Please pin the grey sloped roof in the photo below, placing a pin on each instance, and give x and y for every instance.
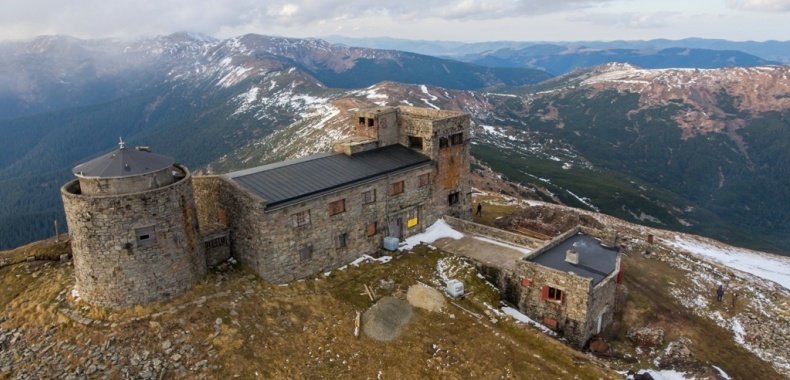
(595, 260)
(123, 163)
(289, 181)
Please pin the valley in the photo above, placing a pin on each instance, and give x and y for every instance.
(702, 151)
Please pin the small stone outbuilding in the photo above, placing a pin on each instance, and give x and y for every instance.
(569, 285)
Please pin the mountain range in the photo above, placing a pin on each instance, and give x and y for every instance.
(776, 51)
(700, 150)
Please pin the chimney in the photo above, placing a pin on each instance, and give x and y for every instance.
(571, 256)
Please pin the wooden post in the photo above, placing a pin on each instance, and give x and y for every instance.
(57, 236)
(356, 325)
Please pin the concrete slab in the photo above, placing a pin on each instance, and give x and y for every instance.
(495, 254)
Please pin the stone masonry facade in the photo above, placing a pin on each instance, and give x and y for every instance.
(584, 310)
(113, 267)
(279, 249)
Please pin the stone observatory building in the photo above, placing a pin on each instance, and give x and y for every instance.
(133, 224)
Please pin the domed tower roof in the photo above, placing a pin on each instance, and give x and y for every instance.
(123, 162)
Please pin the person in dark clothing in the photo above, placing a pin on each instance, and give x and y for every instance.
(479, 209)
(720, 293)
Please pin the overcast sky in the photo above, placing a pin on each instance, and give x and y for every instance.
(460, 20)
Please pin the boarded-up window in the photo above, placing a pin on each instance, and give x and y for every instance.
(368, 196)
(453, 198)
(306, 253)
(371, 229)
(550, 323)
(443, 143)
(396, 188)
(341, 240)
(337, 207)
(415, 142)
(549, 293)
(145, 236)
(525, 282)
(457, 139)
(301, 218)
(424, 179)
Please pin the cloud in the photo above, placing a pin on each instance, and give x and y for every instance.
(630, 20)
(760, 5)
(101, 18)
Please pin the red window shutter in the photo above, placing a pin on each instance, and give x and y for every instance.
(621, 274)
(525, 282)
(544, 293)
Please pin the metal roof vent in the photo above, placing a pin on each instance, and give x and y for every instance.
(571, 256)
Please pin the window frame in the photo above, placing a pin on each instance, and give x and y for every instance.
(372, 192)
(341, 240)
(374, 226)
(401, 185)
(305, 253)
(424, 179)
(454, 198)
(457, 138)
(332, 210)
(306, 220)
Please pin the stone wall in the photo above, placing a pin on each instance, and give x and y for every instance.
(452, 159)
(113, 268)
(133, 184)
(269, 241)
(577, 315)
(570, 314)
(489, 232)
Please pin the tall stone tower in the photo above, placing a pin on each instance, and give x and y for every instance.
(134, 231)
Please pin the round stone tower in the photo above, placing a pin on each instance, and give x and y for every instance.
(134, 231)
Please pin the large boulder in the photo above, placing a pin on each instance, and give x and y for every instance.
(386, 319)
(646, 337)
(426, 297)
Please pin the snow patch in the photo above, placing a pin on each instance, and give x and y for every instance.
(764, 265)
(436, 231)
(520, 317)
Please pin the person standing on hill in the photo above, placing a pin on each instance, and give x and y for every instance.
(479, 209)
(720, 293)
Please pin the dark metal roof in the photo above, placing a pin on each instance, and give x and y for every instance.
(595, 260)
(123, 163)
(289, 181)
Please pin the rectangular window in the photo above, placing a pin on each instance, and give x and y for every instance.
(370, 123)
(301, 218)
(424, 179)
(368, 196)
(549, 293)
(361, 121)
(337, 207)
(443, 143)
(453, 198)
(396, 188)
(457, 139)
(415, 142)
(371, 229)
(341, 240)
(306, 253)
(145, 236)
